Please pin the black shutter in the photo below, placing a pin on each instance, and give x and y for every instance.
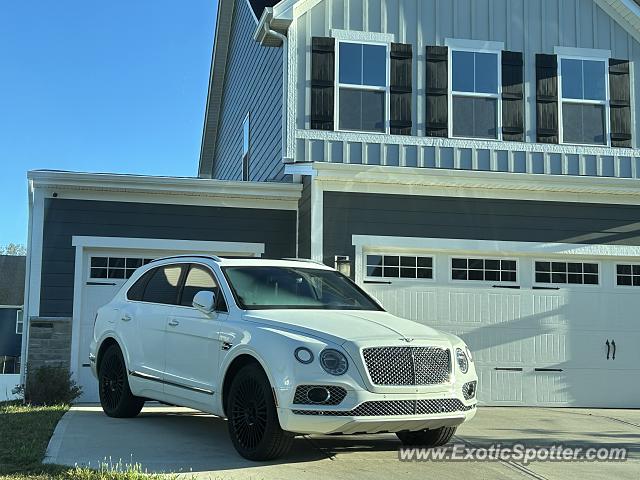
(401, 88)
(437, 92)
(512, 97)
(620, 102)
(322, 83)
(547, 98)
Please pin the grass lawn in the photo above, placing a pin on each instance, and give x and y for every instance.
(24, 434)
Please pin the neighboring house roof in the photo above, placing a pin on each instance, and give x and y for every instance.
(12, 270)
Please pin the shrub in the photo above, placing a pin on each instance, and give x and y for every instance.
(49, 385)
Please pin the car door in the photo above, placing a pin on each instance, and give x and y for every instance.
(149, 316)
(192, 347)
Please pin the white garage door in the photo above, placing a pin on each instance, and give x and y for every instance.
(546, 329)
(102, 273)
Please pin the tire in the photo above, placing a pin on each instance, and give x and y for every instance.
(427, 438)
(116, 398)
(253, 419)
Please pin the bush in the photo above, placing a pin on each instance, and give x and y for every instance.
(49, 386)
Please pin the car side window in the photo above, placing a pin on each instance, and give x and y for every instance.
(200, 279)
(163, 286)
(136, 292)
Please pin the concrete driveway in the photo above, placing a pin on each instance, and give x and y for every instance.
(167, 439)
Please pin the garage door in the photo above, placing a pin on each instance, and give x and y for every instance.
(100, 277)
(546, 329)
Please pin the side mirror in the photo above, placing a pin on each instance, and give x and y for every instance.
(205, 302)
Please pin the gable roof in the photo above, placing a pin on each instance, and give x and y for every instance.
(12, 270)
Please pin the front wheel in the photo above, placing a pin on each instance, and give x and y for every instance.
(113, 384)
(427, 438)
(252, 417)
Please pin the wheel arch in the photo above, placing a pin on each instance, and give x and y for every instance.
(104, 345)
(237, 364)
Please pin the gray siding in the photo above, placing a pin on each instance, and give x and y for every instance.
(65, 218)
(253, 84)
(304, 220)
(350, 214)
(9, 342)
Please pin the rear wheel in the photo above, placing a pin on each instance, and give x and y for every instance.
(115, 395)
(253, 418)
(427, 438)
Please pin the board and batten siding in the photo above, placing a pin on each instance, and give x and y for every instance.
(253, 84)
(66, 218)
(528, 26)
(350, 214)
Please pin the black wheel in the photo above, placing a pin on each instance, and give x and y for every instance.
(115, 395)
(253, 418)
(427, 438)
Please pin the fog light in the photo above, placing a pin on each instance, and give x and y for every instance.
(318, 395)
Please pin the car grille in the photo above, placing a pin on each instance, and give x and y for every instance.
(408, 365)
(389, 408)
(336, 395)
(469, 390)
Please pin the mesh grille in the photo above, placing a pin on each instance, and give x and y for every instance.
(336, 395)
(469, 390)
(408, 365)
(396, 407)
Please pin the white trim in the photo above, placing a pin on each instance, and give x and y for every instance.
(20, 321)
(317, 222)
(11, 307)
(586, 53)
(305, 169)
(354, 36)
(255, 249)
(500, 248)
(474, 45)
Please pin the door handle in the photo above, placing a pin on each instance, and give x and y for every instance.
(173, 322)
(126, 317)
(613, 344)
(608, 348)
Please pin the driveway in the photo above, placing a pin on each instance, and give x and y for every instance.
(168, 439)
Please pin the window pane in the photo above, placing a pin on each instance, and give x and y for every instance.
(361, 110)
(199, 279)
(351, 63)
(163, 286)
(571, 71)
(583, 123)
(374, 260)
(99, 261)
(462, 71)
(486, 73)
(475, 117)
(374, 65)
(594, 78)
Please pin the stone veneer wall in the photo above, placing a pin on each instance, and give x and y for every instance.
(49, 342)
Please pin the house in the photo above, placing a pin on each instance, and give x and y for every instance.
(474, 164)
(12, 270)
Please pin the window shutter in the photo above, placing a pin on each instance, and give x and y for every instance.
(547, 98)
(322, 83)
(437, 92)
(401, 88)
(512, 97)
(620, 103)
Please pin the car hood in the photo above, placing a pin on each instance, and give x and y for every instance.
(340, 326)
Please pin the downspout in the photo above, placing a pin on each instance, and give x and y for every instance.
(26, 324)
(285, 87)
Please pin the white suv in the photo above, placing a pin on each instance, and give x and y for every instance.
(280, 348)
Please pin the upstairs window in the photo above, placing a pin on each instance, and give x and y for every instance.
(475, 94)
(362, 87)
(246, 130)
(19, 322)
(583, 101)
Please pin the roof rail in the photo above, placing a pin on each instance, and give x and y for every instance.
(215, 258)
(308, 260)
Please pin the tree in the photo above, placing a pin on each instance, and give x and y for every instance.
(13, 249)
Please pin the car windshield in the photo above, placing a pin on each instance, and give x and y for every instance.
(267, 287)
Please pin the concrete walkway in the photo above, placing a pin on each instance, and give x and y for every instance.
(172, 440)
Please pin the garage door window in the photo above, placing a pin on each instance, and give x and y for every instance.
(399, 266)
(628, 275)
(115, 267)
(567, 273)
(484, 269)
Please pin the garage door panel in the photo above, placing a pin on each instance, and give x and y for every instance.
(614, 389)
(499, 387)
(550, 348)
(551, 388)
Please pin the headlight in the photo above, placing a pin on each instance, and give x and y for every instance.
(463, 361)
(303, 355)
(333, 362)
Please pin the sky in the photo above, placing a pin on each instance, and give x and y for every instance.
(99, 86)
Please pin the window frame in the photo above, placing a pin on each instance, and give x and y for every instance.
(19, 321)
(615, 275)
(183, 280)
(483, 283)
(386, 89)
(552, 285)
(482, 47)
(369, 278)
(588, 56)
(246, 154)
(144, 258)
